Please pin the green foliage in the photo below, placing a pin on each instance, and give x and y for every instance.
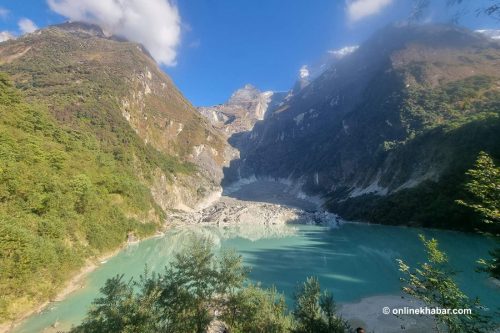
(307, 311)
(484, 185)
(450, 105)
(180, 300)
(433, 284)
(65, 196)
(199, 288)
(418, 141)
(315, 312)
(87, 80)
(256, 310)
(119, 310)
(204, 280)
(75, 177)
(491, 265)
(8, 95)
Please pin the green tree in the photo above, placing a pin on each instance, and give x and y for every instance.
(316, 312)
(119, 310)
(307, 310)
(433, 284)
(484, 186)
(199, 287)
(206, 280)
(182, 299)
(256, 310)
(334, 323)
(82, 188)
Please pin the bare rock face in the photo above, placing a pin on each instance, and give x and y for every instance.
(245, 107)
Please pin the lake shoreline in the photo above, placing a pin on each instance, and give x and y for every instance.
(74, 283)
(224, 212)
(267, 213)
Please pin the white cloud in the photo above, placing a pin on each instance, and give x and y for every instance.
(5, 35)
(304, 72)
(154, 23)
(359, 9)
(495, 34)
(342, 52)
(26, 25)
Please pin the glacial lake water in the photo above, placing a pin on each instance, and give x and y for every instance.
(353, 261)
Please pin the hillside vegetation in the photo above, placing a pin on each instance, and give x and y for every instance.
(96, 143)
(64, 197)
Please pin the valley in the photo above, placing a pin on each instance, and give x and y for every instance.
(101, 153)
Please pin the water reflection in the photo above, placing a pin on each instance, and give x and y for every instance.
(353, 261)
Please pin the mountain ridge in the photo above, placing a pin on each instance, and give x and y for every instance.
(343, 135)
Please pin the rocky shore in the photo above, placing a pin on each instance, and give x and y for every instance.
(231, 211)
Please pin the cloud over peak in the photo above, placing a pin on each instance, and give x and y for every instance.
(5, 35)
(359, 9)
(342, 52)
(304, 72)
(26, 25)
(153, 23)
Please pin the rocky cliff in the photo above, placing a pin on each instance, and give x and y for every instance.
(389, 128)
(245, 107)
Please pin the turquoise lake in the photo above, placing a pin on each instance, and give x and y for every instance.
(353, 260)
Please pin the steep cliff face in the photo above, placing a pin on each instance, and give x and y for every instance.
(410, 106)
(114, 89)
(245, 107)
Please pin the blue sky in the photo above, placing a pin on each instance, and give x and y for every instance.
(212, 47)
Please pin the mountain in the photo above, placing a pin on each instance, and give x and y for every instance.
(387, 132)
(244, 108)
(96, 145)
(96, 82)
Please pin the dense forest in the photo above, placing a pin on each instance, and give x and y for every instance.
(65, 196)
